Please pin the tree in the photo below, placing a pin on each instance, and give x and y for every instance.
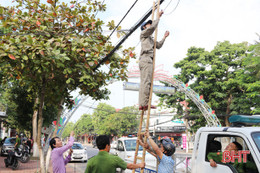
(84, 125)
(107, 121)
(216, 75)
(53, 49)
(69, 127)
(100, 116)
(127, 120)
(249, 78)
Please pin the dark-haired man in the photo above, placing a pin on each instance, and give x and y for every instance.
(58, 162)
(104, 162)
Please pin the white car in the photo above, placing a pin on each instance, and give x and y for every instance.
(125, 149)
(79, 152)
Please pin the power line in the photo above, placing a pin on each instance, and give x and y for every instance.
(167, 5)
(122, 19)
(173, 9)
(148, 13)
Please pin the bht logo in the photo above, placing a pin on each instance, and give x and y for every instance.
(230, 156)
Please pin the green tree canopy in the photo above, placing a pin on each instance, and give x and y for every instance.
(84, 125)
(20, 108)
(221, 77)
(53, 49)
(106, 120)
(69, 127)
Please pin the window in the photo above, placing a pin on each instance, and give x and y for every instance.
(217, 144)
(131, 144)
(256, 138)
(10, 141)
(120, 146)
(77, 146)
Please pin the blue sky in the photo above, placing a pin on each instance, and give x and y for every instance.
(200, 23)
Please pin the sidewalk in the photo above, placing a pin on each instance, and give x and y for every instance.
(31, 167)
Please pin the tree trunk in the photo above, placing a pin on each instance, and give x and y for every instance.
(42, 165)
(48, 156)
(40, 121)
(228, 110)
(34, 128)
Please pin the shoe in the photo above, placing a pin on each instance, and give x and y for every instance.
(146, 107)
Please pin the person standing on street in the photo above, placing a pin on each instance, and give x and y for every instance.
(58, 162)
(146, 60)
(163, 152)
(17, 142)
(104, 162)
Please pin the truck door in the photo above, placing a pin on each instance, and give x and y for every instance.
(203, 166)
(120, 150)
(216, 144)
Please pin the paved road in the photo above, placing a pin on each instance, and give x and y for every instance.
(79, 167)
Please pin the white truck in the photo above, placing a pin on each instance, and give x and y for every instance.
(247, 137)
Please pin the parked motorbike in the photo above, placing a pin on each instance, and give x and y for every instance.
(12, 159)
(21, 154)
(25, 154)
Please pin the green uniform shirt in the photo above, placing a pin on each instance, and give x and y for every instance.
(18, 141)
(240, 167)
(104, 162)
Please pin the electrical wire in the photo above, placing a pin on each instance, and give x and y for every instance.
(122, 19)
(173, 9)
(167, 5)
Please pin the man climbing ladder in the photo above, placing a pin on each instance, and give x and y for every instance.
(146, 65)
(146, 60)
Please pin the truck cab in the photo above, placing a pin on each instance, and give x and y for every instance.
(247, 137)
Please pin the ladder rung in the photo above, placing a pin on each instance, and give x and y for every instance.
(140, 158)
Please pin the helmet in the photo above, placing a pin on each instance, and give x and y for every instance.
(168, 146)
(143, 24)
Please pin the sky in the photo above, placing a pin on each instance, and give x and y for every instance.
(199, 23)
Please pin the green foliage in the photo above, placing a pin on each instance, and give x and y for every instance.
(20, 108)
(225, 76)
(59, 46)
(100, 116)
(105, 120)
(128, 120)
(53, 48)
(84, 125)
(67, 130)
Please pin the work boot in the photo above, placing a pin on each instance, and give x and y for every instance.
(146, 107)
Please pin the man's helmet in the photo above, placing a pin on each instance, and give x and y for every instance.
(145, 23)
(168, 146)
